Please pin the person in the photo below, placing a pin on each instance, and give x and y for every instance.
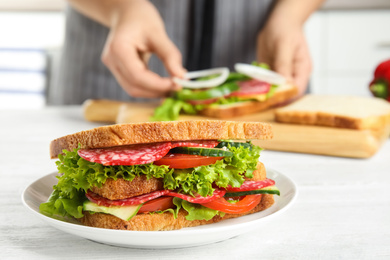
(131, 49)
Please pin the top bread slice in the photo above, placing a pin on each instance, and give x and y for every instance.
(282, 94)
(152, 132)
(337, 111)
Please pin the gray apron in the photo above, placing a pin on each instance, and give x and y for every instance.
(82, 75)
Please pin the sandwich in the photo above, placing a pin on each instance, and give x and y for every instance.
(222, 94)
(159, 176)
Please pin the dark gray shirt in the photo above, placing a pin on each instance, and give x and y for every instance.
(82, 75)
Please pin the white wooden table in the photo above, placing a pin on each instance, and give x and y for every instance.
(342, 211)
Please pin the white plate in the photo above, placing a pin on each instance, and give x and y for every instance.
(40, 190)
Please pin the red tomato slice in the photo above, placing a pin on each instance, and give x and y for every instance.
(248, 203)
(185, 161)
(252, 87)
(161, 203)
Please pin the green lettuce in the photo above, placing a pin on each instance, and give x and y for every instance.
(195, 211)
(79, 175)
(171, 108)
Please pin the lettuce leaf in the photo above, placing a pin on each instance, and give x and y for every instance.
(195, 211)
(79, 175)
(171, 108)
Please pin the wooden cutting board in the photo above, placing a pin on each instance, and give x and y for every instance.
(287, 137)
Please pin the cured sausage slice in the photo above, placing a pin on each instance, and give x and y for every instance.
(138, 153)
(252, 185)
(251, 87)
(196, 143)
(126, 155)
(198, 199)
(125, 202)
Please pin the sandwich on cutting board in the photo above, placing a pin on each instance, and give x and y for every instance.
(219, 93)
(160, 175)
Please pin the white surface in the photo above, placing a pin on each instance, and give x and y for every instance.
(342, 211)
(39, 191)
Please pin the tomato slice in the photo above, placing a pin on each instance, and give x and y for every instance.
(161, 203)
(185, 161)
(246, 204)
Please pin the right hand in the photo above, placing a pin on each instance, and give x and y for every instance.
(136, 32)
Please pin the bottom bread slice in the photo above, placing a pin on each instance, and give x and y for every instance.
(164, 221)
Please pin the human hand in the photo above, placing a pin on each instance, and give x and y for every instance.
(282, 45)
(137, 31)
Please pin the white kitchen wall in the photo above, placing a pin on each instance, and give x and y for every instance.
(28, 43)
(346, 47)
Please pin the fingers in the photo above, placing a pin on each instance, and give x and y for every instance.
(131, 72)
(302, 67)
(288, 55)
(283, 59)
(168, 53)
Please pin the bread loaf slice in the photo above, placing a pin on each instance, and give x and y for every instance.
(152, 132)
(337, 111)
(164, 221)
(281, 95)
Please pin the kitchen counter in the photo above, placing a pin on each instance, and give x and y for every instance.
(342, 211)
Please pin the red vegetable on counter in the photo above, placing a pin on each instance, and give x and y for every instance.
(380, 85)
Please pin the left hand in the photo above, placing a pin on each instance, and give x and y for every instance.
(282, 45)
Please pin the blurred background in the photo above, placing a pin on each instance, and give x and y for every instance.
(347, 38)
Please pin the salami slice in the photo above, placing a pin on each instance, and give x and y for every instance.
(251, 87)
(126, 155)
(196, 143)
(125, 202)
(252, 185)
(198, 199)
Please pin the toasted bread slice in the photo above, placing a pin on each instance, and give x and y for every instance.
(337, 111)
(152, 132)
(122, 189)
(163, 221)
(281, 95)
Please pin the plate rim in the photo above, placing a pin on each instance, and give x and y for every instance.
(171, 233)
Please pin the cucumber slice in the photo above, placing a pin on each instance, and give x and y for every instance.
(221, 91)
(122, 212)
(266, 190)
(235, 144)
(212, 152)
